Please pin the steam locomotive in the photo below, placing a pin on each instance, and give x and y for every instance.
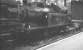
(20, 22)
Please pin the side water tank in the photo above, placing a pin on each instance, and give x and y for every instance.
(3, 9)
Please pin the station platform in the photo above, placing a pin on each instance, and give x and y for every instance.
(74, 42)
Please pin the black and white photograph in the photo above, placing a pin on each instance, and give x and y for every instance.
(41, 24)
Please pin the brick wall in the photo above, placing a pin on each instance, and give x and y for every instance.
(77, 10)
